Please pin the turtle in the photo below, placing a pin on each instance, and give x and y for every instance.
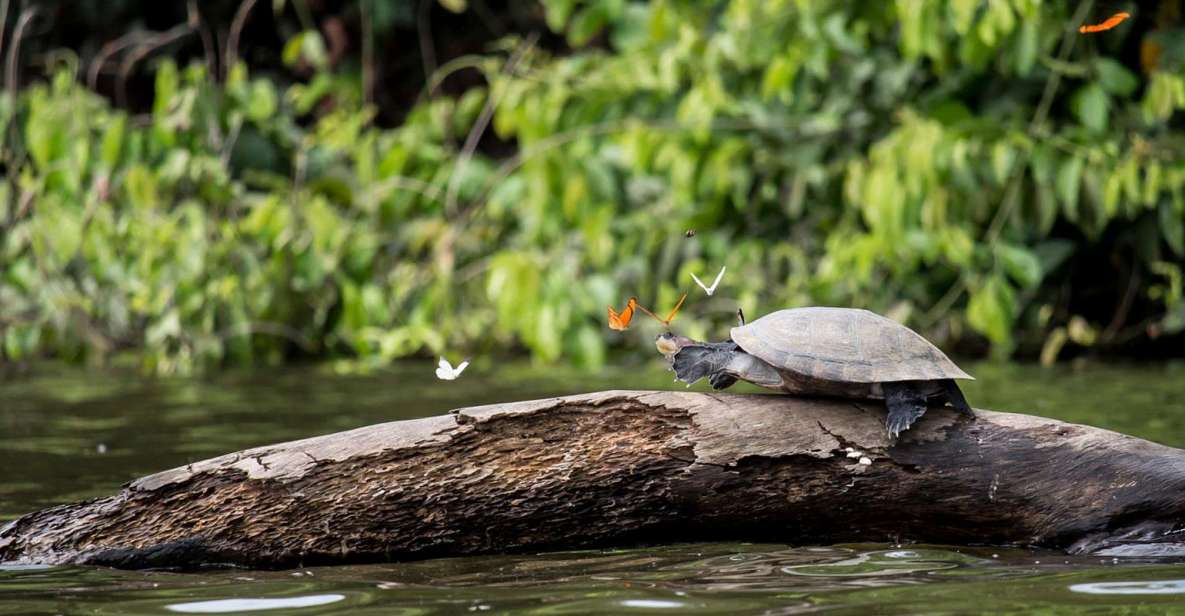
(826, 351)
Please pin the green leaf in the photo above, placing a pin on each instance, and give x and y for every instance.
(1174, 320)
(1051, 254)
(167, 82)
(307, 46)
(141, 187)
(112, 142)
(1114, 77)
(163, 328)
(57, 232)
(1112, 191)
(1046, 209)
(557, 13)
(1172, 226)
(1153, 182)
(312, 49)
(261, 105)
(1021, 264)
(1091, 105)
(778, 78)
(1081, 332)
(1069, 184)
(588, 348)
(1002, 158)
(21, 340)
(990, 313)
(586, 24)
(1053, 346)
(1027, 47)
(1162, 96)
(962, 14)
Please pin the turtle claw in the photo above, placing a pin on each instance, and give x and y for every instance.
(721, 380)
(905, 404)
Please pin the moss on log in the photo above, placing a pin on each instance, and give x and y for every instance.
(626, 467)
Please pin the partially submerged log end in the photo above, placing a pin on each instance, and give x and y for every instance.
(622, 467)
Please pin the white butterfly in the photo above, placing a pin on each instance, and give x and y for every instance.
(446, 372)
(712, 289)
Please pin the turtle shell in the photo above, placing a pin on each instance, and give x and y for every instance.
(846, 345)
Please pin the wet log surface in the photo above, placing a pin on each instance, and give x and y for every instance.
(622, 467)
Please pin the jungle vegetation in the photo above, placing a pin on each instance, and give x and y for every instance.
(259, 182)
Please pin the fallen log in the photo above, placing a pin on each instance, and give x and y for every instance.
(624, 467)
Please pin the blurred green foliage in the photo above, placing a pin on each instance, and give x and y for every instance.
(941, 162)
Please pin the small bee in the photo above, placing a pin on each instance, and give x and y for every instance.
(689, 233)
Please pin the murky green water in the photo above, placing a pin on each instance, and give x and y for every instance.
(67, 435)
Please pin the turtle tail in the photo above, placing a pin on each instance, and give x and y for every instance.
(694, 362)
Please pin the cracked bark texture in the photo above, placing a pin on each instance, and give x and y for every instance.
(624, 467)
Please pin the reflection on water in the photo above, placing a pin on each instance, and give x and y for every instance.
(868, 564)
(1158, 587)
(713, 578)
(70, 435)
(235, 606)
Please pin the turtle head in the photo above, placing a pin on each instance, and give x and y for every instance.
(668, 344)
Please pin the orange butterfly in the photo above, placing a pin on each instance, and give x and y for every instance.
(621, 322)
(1111, 22)
(671, 316)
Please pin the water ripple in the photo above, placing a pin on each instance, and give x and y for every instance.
(1152, 587)
(230, 606)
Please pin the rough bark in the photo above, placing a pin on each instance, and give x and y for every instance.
(624, 467)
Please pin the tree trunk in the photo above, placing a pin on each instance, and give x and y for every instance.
(624, 467)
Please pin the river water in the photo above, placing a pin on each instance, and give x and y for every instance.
(67, 434)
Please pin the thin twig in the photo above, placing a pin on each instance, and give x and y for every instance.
(1011, 198)
(26, 204)
(1117, 321)
(444, 71)
(303, 14)
(480, 125)
(236, 31)
(228, 146)
(6, 151)
(129, 63)
(106, 51)
(401, 182)
(3, 22)
(14, 53)
(1012, 194)
(427, 46)
(298, 176)
(209, 49)
(945, 303)
(491, 21)
(609, 127)
(368, 58)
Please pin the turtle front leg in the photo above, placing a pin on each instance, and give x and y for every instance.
(696, 361)
(906, 403)
(721, 380)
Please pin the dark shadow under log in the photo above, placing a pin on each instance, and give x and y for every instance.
(624, 467)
